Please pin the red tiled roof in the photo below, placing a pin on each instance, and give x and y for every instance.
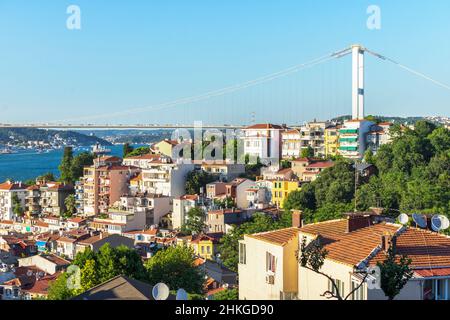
(426, 249)
(278, 237)
(76, 220)
(8, 185)
(265, 126)
(321, 164)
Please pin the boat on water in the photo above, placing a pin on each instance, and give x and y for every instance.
(98, 149)
(6, 151)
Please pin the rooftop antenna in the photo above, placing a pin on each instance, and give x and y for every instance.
(160, 291)
(403, 218)
(420, 220)
(182, 294)
(439, 223)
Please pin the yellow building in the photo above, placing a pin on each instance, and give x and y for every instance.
(203, 246)
(331, 140)
(164, 147)
(281, 189)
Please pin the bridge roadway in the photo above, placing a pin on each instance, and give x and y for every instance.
(116, 126)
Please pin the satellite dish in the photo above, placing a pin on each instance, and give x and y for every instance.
(403, 218)
(439, 223)
(182, 294)
(420, 220)
(160, 291)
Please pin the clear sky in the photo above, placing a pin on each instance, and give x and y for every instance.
(137, 54)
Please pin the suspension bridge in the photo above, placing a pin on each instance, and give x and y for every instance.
(357, 52)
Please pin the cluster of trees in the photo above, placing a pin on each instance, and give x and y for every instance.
(195, 222)
(414, 171)
(129, 151)
(195, 180)
(325, 198)
(173, 266)
(413, 175)
(71, 167)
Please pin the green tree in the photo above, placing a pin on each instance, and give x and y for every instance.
(175, 267)
(58, 288)
(195, 222)
(79, 162)
(70, 203)
(127, 149)
(307, 152)
(89, 277)
(196, 180)
(139, 152)
(17, 205)
(229, 294)
(394, 275)
(65, 167)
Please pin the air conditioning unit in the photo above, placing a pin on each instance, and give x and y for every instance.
(270, 279)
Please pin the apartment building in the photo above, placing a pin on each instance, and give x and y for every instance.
(378, 136)
(181, 207)
(215, 189)
(160, 175)
(155, 206)
(268, 265)
(47, 198)
(119, 222)
(331, 140)
(222, 170)
(352, 138)
(236, 191)
(104, 183)
(165, 147)
(223, 220)
(263, 141)
(257, 198)
(7, 191)
(281, 190)
(313, 135)
(291, 144)
(314, 169)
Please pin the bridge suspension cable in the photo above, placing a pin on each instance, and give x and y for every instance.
(219, 92)
(417, 73)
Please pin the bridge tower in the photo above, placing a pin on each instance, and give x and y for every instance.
(357, 82)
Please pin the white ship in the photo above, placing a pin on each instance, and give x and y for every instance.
(98, 149)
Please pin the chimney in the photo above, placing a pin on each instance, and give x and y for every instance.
(296, 218)
(356, 222)
(388, 240)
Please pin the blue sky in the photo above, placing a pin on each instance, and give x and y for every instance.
(136, 54)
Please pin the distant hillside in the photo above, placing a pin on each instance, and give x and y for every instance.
(403, 120)
(20, 136)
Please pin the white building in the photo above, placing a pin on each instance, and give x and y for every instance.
(155, 206)
(7, 190)
(291, 144)
(160, 175)
(378, 136)
(263, 141)
(313, 135)
(181, 206)
(119, 222)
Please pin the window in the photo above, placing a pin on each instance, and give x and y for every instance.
(242, 253)
(339, 285)
(358, 294)
(208, 249)
(270, 262)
